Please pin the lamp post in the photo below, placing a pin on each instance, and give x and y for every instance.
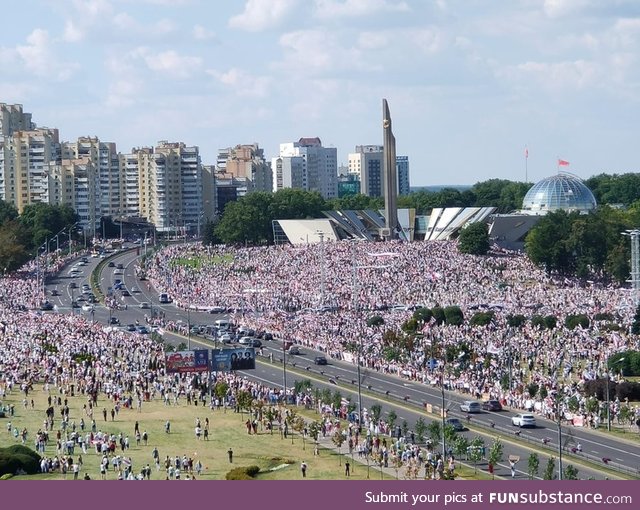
(443, 413)
(608, 397)
(355, 308)
(559, 417)
(188, 328)
(200, 216)
(322, 269)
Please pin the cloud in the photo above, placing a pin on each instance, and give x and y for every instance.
(37, 57)
(561, 8)
(243, 83)
(555, 76)
(260, 15)
(175, 65)
(331, 9)
(200, 33)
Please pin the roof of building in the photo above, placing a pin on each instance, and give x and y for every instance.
(562, 191)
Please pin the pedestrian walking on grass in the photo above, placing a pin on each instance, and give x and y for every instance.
(303, 469)
(230, 454)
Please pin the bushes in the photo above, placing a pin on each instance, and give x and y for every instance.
(18, 458)
(573, 321)
(548, 322)
(630, 364)
(481, 318)
(516, 321)
(453, 316)
(438, 315)
(243, 473)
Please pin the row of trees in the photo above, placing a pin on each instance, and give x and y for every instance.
(21, 235)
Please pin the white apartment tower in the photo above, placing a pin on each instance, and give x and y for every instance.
(307, 165)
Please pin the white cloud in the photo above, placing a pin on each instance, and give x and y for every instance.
(123, 92)
(72, 33)
(373, 40)
(202, 34)
(429, 40)
(329, 9)
(173, 64)
(243, 83)
(260, 15)
(38, 58)
(560, 8)
(555, 76)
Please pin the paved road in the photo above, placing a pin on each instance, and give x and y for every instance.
(408, 399)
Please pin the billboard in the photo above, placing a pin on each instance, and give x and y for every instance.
(226, 360)
(187, 361)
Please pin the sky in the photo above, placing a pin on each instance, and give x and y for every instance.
(470, 83)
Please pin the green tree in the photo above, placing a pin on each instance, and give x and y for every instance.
(550, 470)
(496, 452)
(460, 446)
(14, 240)
(570, 473)
(533, 465)
(453, 315)
(391, 418)
(547, 243)
(476, 451)
(338, 439)
(434, 431)
(247, 220)
(421, 429)
(474, 239)
(8, 212)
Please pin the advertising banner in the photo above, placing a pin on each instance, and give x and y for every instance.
(226, 360)
(187, 361)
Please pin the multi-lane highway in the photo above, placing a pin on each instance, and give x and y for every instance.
(409, 399)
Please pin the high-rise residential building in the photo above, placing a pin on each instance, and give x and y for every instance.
(24, 160)
(402, 166)
(246, 162)
(74, 182)
(13, 119)
(104, 157)
(307, 165)
(366, 164)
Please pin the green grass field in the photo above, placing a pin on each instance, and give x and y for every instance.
(200, 262)
(278, 458)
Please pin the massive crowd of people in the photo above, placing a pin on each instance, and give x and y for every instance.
(321, 296)
(318, 296)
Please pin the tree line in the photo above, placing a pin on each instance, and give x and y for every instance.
(21, 236)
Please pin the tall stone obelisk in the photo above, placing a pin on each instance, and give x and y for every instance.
(390, 176)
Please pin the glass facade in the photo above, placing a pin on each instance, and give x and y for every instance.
(560, 191)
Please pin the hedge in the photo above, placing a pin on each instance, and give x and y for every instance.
(18, 458)
(243, 473)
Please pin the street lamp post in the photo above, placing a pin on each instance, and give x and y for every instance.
(322, 268)
(443, 413)
(188, 328)
(608, 396)
(559, 417)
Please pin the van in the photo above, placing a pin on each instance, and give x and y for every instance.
(223, 324)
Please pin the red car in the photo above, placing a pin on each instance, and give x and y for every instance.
(492, 405)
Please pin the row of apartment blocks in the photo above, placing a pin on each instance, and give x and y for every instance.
(167, 185)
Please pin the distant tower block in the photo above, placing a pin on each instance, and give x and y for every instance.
(390, 177)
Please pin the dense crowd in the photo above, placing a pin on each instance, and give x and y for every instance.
(321, 296)
(316, 296)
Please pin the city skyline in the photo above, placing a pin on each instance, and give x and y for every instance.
(470, 84)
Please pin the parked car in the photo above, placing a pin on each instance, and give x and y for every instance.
(55, 292)
(131, 327)
(145, 305)
(46, 306)
(455, 423)
(294, 349)
(164, 298)
(246, 340)
(320, 360)
(87, 307)
(143, 330)
(111, 264)
(524, 420)
(470, 406)
(73, 285)
(492, 405)
(125, 293)
(114, 320)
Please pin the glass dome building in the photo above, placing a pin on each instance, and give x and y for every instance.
(562, 191)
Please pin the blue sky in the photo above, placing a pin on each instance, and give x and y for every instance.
(469, 82)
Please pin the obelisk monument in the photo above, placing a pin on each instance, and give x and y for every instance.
(390, 176)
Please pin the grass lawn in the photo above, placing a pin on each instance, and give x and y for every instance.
(199, 262)
(278, 458)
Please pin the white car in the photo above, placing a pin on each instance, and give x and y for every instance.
(87, 307)
(524, 420)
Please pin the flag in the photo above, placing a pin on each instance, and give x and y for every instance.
(526, 153)
(562, 162)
